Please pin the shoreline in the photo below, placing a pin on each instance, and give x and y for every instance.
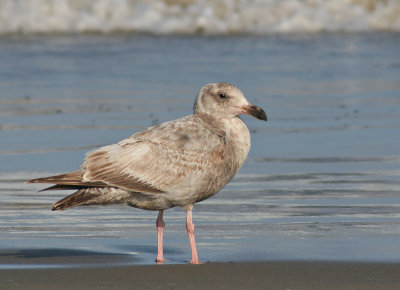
(241, 275)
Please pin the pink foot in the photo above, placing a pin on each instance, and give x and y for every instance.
(160, 260)
(197, 262)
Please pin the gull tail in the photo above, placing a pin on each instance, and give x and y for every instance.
(93, 196)
(87, 192)
(80, 197)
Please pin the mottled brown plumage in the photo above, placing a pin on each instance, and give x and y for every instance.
(176, 163)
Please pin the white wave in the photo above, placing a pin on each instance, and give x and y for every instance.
(197, 16)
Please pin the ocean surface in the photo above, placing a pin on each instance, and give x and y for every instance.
(321, 182)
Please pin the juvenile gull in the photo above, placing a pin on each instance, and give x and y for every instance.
(176, 163)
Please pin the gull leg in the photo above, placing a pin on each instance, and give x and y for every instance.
(160, 243)
(190, 231)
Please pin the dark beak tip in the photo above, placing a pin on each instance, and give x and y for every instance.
(259, 113)
(265, 118)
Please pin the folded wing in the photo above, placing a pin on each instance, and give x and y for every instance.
(157, 159)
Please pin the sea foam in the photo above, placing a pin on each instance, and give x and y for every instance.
(197, 16)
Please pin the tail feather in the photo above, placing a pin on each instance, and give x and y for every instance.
(72, 200)
(91, 196)
(87, 192)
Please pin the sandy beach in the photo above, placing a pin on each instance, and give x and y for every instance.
(265, 275)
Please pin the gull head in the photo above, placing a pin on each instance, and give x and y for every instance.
(223, 100)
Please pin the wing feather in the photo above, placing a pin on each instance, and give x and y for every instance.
(157, 159)
(72, 180)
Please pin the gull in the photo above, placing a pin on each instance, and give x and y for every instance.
(176, 163)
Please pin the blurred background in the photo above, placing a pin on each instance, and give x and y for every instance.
(322, 178)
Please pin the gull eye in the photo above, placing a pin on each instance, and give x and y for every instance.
(222, 96)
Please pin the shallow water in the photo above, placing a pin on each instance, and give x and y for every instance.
(321, 182)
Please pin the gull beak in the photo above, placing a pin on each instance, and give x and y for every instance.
(254, 111)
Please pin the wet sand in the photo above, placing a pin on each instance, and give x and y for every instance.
(265, 275)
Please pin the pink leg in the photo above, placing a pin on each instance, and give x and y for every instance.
(160, 244)
(190, 231)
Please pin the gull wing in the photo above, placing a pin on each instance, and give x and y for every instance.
(157, 159)
(72, 180)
